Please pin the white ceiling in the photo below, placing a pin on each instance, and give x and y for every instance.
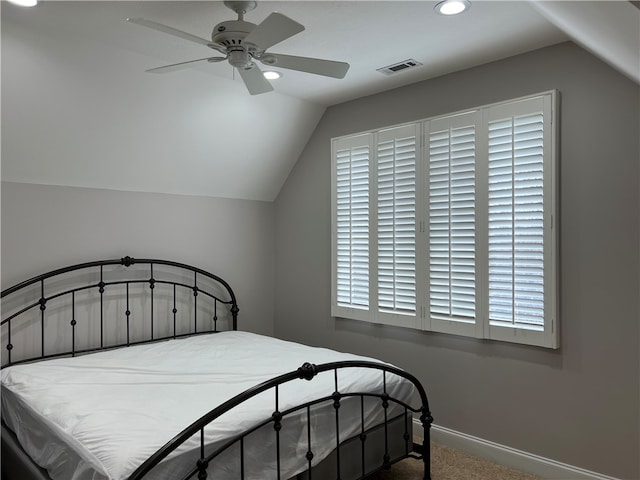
(73, 75)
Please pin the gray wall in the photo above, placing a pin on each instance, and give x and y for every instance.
(46, 227)
(579, 404)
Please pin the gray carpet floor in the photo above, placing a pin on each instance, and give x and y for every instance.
(450, 464)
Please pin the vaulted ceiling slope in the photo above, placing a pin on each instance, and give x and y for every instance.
(79, 110)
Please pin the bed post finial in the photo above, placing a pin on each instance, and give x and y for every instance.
(307, 371)
(127, 261)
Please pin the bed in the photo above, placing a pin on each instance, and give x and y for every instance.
(133, 369)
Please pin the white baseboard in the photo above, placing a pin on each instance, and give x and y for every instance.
(503, 455)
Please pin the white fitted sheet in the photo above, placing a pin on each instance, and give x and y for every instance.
(99, 416)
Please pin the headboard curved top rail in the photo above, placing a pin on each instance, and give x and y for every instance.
(106, 304)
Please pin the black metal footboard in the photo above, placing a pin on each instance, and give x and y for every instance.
(336, 397)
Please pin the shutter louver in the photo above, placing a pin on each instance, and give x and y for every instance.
(396, 225)
(516, 222)
(352, 227)
(452, 223)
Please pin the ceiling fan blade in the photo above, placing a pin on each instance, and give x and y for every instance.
(328, 68)
(254, 80)
(181, 65)
(273, 29)
(173, 31)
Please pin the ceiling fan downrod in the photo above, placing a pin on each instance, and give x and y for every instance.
(241, 7)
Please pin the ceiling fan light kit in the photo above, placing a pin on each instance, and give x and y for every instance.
(242, 43)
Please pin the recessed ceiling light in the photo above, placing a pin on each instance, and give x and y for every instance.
(24, 3)
(271, 75)
(452, 7)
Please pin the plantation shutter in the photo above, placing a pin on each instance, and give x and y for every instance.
(516, 215)
(447, 224)
(351, 227)
(452, 218)
(396, 220)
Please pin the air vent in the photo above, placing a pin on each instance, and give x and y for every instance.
(399, 67)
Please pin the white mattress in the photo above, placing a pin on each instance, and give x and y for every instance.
(99, 416)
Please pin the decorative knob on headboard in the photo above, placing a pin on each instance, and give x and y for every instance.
(127, 261)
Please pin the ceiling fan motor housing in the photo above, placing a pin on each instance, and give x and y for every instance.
(231, 32)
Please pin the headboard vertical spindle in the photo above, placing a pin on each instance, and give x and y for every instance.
(73, 323)
(101, 290)
(152, 284)
(174, 310)
(127, 314)
(43, 307)
(195, 302)
(9, 344)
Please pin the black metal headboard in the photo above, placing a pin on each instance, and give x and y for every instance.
(111, 303)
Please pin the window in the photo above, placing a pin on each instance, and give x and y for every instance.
(447, 224)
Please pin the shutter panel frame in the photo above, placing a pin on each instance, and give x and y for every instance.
(350, 252)
(398, 156)
(450, 210)
(534, 214)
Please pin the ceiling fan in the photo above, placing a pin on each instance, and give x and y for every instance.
(242, 43)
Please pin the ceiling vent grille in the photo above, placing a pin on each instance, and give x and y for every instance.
(399, 67)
